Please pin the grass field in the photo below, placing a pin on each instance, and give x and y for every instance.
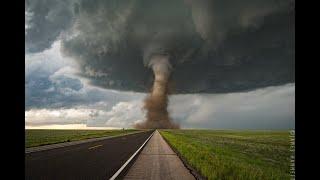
(234, 154)
(43, 137)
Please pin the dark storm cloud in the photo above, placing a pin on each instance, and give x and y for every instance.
(44, 90)
(55, 95)
(45, 20)
(214, 46)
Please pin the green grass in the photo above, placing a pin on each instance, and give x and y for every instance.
(222, 154)
(44, 137)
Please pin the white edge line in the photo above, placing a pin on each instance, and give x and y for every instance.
(128, 161)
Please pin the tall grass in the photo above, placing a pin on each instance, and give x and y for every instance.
(234, 154)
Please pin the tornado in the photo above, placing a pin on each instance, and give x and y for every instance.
(156, 103)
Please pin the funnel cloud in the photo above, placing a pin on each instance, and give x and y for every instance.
(157, 101)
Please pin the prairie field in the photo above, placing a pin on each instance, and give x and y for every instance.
(229, 154)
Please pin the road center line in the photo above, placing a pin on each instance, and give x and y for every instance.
(95, 146)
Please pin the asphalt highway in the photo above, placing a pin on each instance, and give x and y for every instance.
(92, 160)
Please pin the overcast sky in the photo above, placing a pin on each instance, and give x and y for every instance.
(80, 54)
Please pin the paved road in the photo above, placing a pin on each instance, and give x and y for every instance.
(92, 160)
(59, 145)
(158, 161)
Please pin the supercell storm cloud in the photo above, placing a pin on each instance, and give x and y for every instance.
(210, 46)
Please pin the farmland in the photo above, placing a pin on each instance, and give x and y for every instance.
(227, 154)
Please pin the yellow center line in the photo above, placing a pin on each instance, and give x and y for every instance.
(95, 146)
